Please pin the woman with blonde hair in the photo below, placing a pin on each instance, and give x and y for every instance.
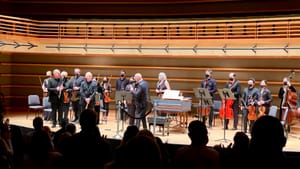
(162, 84)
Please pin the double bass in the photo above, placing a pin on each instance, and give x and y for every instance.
(290, 101)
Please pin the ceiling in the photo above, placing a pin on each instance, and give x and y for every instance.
(110, 9)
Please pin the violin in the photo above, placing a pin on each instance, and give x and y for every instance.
(261, 111)
(107, 98)
(106, 87)
(252, 112)
(252, 108)
(66, 97)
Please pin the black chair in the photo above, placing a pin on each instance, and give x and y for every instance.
(46, 109)
(34, 105)
(217, 104)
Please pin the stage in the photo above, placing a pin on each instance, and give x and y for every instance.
(177, 135)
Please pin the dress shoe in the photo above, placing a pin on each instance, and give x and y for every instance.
(53, 126)
(75, 120)
(234, 128)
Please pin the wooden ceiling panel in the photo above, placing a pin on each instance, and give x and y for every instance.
(53, 9)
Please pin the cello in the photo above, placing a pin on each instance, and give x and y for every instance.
(226, 108)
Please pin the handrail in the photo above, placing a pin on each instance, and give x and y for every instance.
(286, 27)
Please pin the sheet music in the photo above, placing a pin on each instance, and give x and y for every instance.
(172, 94)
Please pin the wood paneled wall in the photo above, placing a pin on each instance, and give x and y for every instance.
(21, 72)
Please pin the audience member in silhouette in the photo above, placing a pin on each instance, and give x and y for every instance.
(141, 151)
(87, 149)
(6, 147)
(41, 153)
(38, 125)
(130, 132)
(236, 154)
(196, 155)
(64, 138)
(266, 144)
(59, 132)
(165, 154)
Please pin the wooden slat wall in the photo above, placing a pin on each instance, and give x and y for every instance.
(20, 71)
(20, 78)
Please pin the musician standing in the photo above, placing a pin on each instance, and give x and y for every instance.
(265, 99)
(211, 85)
(130, 105)
(122, 82)
(45, 83)
(250, 98)
(88, 90)
(162, 84)
(74, 86)
(55, 87)
(66, 96)
(235, 86)
(283, 92)
(106, 88)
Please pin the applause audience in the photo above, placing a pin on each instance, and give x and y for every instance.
(87, 148)
(141, 149)
(197, 155)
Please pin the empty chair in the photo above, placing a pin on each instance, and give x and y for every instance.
(217, 104)
(273, 111)
(46, 108)
(34, 105)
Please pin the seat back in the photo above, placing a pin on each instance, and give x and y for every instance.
(46, 103)
(273, 111)
(217, 104)
(34, 100)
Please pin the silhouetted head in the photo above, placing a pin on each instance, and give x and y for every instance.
(267, 135)
(38, 123)
(198, 132)
(88, 119)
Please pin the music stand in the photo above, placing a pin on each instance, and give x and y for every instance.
(120, 97)
(225, 94)
(204, 99)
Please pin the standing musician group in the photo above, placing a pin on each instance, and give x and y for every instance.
(78, 91)
(83, 92)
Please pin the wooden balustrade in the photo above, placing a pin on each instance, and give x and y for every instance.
(210, 29)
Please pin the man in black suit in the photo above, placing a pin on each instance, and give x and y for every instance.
(141, 99)
(55, 87)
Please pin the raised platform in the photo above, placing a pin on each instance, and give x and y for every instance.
(178, 134)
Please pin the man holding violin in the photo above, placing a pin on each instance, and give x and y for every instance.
(249, 105)
(265, 99)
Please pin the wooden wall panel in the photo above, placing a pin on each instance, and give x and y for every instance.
(20, 72)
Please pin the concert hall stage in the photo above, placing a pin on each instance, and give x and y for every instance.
(177, 135)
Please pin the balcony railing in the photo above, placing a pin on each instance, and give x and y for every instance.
(165, 30)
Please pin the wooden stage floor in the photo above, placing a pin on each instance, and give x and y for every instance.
(178, 135)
